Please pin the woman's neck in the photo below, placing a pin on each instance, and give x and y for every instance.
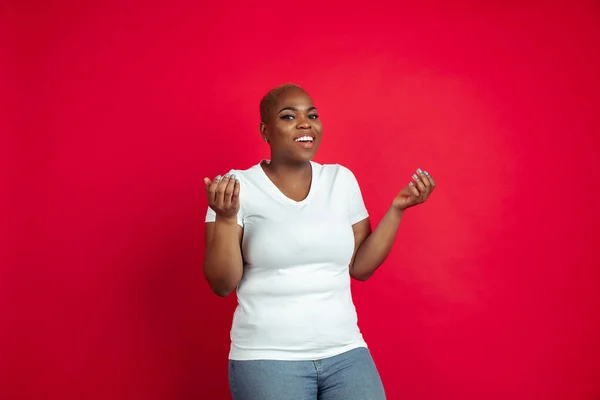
(291, 173)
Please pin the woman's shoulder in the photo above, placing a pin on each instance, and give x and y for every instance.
(245, 172)
(337, 174)
(335, 169)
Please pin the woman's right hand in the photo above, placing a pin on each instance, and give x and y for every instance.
(224, 196)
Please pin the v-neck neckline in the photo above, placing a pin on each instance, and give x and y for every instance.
(278, 191)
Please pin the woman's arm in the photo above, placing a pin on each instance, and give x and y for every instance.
(223, 264)
(372, 248)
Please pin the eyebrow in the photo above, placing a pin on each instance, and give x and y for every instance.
(296, 109)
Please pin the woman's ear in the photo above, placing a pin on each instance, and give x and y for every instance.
(263, 132)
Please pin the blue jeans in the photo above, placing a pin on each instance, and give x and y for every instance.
(349, 376)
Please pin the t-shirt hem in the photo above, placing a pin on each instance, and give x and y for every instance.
(247, 355)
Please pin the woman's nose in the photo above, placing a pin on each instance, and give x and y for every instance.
(304, 123)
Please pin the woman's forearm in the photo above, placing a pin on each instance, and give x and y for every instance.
(377, 246)
(223, 264)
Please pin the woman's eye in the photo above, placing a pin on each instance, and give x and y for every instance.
(289, 116)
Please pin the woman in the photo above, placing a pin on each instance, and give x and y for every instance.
(288, 234)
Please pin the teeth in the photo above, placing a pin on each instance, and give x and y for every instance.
(304, 139)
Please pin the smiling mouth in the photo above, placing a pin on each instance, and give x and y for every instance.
(305, 139)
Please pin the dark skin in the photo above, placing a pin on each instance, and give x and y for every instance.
(293, 115)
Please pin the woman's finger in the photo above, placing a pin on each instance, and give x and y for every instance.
(424, 179)
(413, 189)
(211, 190)
(430, 178)
(228, 192)
(419, 184)
(220, 196)
(235, 198)
(207, 185)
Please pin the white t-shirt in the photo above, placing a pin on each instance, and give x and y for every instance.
(294, 300)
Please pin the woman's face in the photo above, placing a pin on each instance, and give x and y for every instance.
(293, 128)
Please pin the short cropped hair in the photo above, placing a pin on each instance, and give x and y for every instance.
(268, 101)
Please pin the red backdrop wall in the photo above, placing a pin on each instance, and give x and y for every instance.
(492, 288)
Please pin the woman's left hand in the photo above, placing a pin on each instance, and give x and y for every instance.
(416, 192)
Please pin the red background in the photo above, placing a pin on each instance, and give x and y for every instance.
(120, 108)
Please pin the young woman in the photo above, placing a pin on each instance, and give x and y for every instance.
(288, 234)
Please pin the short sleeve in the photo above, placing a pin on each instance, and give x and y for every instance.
(211, 215)
(357, 211)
